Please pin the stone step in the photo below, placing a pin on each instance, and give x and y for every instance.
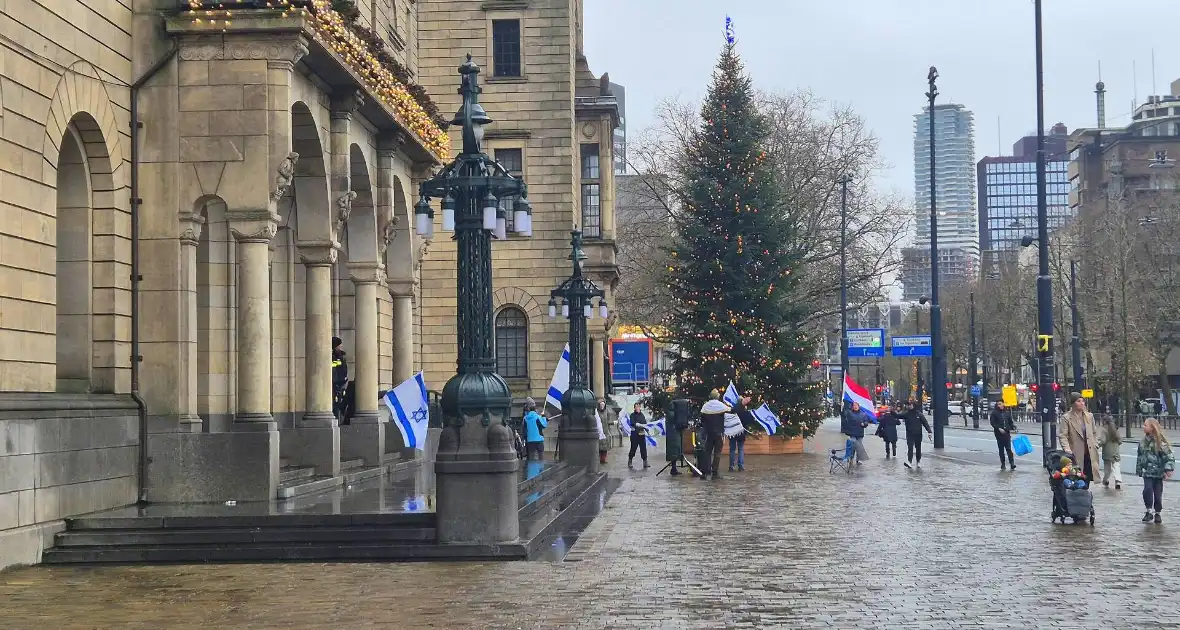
(357, 475)
(310, 485)
(543, 496)
(243, 536)
(291, 473)
(263, 552)
(234, 521)
(349, 464)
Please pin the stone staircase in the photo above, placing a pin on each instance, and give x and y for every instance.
(549, 501)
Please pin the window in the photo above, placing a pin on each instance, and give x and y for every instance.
(513, 160)
(591, 192)
(512, 343)
(506, 61)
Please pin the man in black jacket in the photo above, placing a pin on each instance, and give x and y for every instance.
(914, 423)
(713, 426)
(339, 378)
(1003, 424)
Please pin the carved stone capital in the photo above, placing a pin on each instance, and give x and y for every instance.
(252, 226)
(344, 105)
(401, 287)
(191, 225)
(317, 255)
(421, 170)
(390, 143)
(366, 273)
(284, 51)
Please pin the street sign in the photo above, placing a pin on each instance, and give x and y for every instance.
(866, 342)
(975, 391)
(912, 346)
(1087, 393)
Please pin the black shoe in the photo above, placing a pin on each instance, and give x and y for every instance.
(646, 465)
(1158, 518)
(908, 465)
(629, 464)
(674, 472)
(716, 477)
(1012, 466)
(1003, 467)
(1147, 517)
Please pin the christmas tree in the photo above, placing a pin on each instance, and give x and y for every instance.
(732, 263)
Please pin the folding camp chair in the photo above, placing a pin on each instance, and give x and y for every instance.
(836, 461)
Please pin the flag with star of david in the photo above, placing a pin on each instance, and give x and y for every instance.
(409, 406)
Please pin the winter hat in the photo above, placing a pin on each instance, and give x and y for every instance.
(529, 403)
(336, 342)
(1074, 397)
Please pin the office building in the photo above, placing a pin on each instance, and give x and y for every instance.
(1008, 196)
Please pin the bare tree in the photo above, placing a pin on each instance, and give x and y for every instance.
(811, 145)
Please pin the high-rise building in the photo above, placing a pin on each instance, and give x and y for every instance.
(955, 189)
(1008, 195)
(620, 94)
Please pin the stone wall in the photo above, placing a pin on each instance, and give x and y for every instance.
(61, 455)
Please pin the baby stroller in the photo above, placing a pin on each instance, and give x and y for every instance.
(1071, 496)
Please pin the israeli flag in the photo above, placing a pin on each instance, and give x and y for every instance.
(767, 419)
(658, 427)
(561, 379)
(731, 396)
(625, 426)
(410, 408)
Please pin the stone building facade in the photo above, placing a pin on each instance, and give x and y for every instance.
(260, 206)
(554, 123)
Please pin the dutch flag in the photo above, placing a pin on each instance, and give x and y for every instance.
(854, 393)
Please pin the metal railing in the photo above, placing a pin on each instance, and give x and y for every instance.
(1169, 423)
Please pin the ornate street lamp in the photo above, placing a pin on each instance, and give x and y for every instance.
(476, 466)
(579, 434)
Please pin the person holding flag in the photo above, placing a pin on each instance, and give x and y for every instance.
(858, 413)
(638, 424)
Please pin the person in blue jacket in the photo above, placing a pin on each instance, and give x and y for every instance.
(852, 424)
(534, 424)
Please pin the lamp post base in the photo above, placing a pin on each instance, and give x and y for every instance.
(476, 466)
(579, 432)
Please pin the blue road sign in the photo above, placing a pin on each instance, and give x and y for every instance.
(975, 391)
(866, 342)
(912, 346)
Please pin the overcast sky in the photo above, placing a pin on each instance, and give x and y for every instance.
(874, 55)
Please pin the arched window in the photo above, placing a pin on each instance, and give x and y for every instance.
(512, 343)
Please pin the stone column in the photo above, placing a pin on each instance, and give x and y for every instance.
(402, 294)
(253, 232)
(315, 440)
(364, 436)
(598, 361)
(190, 236)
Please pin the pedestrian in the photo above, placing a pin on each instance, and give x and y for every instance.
(737, 434)
(853, 424)
(1078, 436)
(339, 377)
(534, 426)
(888, 421)
(914, 421)
(1003, 424)
(1154, 464)
(1111, 444)
(607, 415)
(638, 435)
(713, 425)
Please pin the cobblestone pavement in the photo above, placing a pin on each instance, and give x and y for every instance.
(782, 545)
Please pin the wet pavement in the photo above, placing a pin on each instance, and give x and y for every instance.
(782, 545)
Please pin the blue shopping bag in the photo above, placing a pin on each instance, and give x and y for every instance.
(1021, 446)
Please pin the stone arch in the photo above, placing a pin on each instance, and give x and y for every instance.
(399, 257)
(313, 205)
(216, 286)
(90, 266)
(505, 296)
(359, 222)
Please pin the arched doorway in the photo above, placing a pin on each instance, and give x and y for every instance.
(75, 279)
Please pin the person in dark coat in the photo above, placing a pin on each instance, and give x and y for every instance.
(914, 422)
(852, 424)
(1003, 425)
(713, 426)
(887, 431)
(339, 378)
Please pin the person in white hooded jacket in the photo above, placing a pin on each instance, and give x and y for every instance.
(713, 422)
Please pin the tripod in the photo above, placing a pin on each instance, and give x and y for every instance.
(682, 461)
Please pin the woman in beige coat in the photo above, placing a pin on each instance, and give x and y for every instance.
(1078, 435)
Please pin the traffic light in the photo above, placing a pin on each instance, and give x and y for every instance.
(1056, 387)
(815, 363)
(1033, 387)
(880, 389)
(950, 385)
